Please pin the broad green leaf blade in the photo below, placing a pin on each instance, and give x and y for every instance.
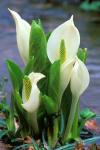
(2, 123)
(37, 47)
(82, 54)
(3, 133)
(29, 67)
(87, 114)
(40, 23)
(13, 78)
(16, 74)
(22, 114)
(66, 104)
(54, 79)
(17, 101)
(4, 108)
(93, 6)
(10, 122)
(49, 104)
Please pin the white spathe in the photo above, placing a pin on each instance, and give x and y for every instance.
(79, 78)
(65, 74)
(75, 72)
(31, 105)
(22, 34)
(79, 81)
(71, 37)
(67, 32)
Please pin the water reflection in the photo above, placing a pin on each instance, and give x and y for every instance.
(89, 27)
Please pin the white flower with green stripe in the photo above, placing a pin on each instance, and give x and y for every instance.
(31, 92)
(63, 44)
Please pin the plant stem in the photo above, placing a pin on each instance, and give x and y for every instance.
(55, 132)
(49, 137)
(53, 137)
(33, 122)
(70, 119)
(81, 126)
(74, 131)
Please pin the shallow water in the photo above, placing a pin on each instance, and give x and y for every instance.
(88, 24)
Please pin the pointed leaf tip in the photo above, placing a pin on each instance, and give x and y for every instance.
(22, 35)
(14, 14)
(10, 10)
(71, 19)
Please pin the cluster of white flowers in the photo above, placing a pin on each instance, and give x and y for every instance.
(62, 44)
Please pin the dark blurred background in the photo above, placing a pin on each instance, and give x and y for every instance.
(52, 13)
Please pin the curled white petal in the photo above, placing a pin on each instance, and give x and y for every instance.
(35, 77)
(79, 78)
(67, 32)
(22, 34)
(33, 103)
(65, 74)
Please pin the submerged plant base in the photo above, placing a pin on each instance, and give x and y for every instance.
(28, 143)
(24, 146)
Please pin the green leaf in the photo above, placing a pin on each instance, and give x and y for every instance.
(3, 133)
(1, 106)
(39, 23)
(87, 114)
(10, 122)
(35, 145)
(49, 104)
(53, 85)
(37, 47)
(93, 6)
(4, 108)
(16, 74)
(29, 67)
(66, 104)
(82, 54)
(22, 114)
(17, 101)
(23, 146)
(2, 123)
(70, 120)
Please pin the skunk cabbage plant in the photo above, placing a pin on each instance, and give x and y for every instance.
(63, 44)
(46, 92)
